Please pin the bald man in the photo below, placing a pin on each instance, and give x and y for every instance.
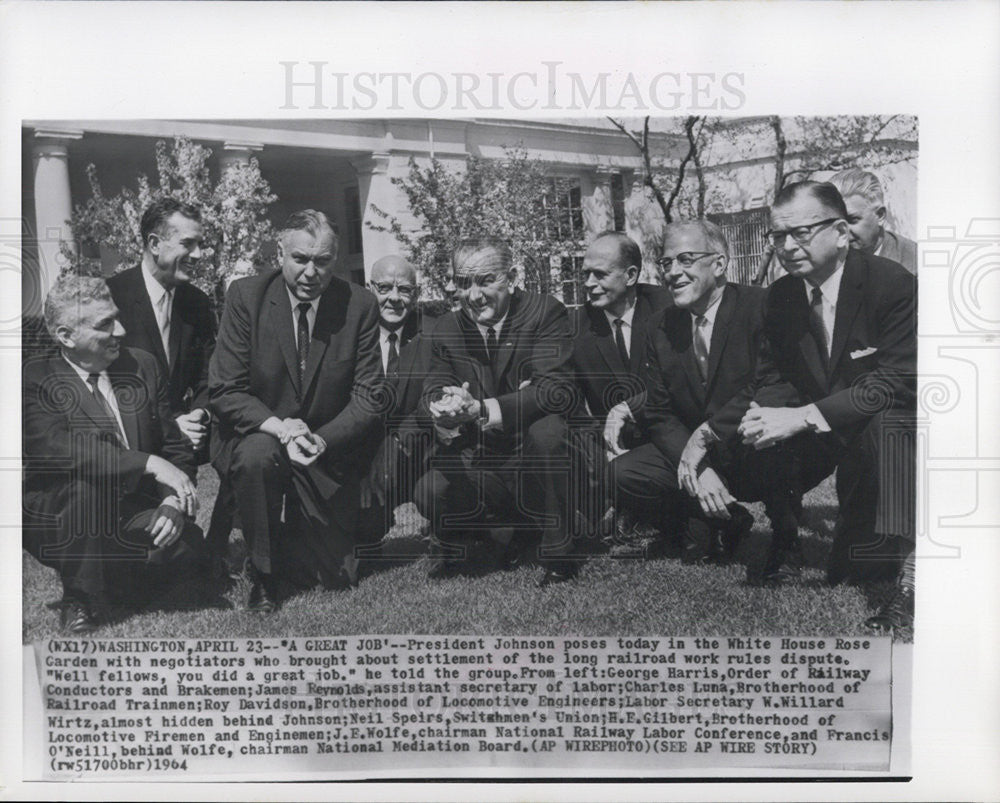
(397, 448)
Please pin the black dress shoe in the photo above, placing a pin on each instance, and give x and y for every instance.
(559, 573)
(896, 613)
(260, 599)
(76, 617)
(735, 530)
(783, 563)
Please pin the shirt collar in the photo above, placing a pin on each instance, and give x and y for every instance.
(384, 333)
(83, 374)
(831, 287)
(496, 327)
(626, 316)
(295, 302)
(154, 289)
(712, 311)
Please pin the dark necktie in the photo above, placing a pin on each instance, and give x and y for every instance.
(818, 327)
(620, 341)
(303, 339)
(701, 346)
(92, 380)
(491, 344)
(392, 364)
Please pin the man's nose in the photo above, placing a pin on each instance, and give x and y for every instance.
(475, 292)
(196, 252)
(118, 330)
(394, 294)
(589, 280)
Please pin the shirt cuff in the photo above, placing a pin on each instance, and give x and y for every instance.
(493, 418)
(709, 435)
(622, 411)
(815, 420)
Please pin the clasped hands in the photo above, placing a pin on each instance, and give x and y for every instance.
(303, 446)
(456, 406)
(765, 426)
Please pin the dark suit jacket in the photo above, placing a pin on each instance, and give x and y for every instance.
(67, 436)
(873, 359)
(677, 402)
(192, 336)
(599, 371)
(253, 374)
(899, 249)
(534, 345)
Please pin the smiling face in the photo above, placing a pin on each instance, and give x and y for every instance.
(176, 250)
(481, 282)
(866, 221)
(696, 285)
(307, 261)
(608, 280)
(394, 283)
(94, 341)
(815, 254)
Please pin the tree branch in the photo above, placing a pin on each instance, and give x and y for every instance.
(643, 147)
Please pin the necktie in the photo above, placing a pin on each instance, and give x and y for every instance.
(701, 346)
(303, 339)
(163, 307)
(102, 402)
(392, 364)
(818, 327)
(620, 341)
(491, 344)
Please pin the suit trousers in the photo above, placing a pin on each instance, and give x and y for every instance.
(298, 521)
(478, 489)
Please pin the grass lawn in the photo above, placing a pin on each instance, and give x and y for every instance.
(613, 596)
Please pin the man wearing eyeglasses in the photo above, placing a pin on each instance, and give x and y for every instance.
(701, 359)
(396, 443)
(498, 386)
(841, 330)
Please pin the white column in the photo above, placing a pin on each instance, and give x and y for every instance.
(375, 187)
(53, 208)
(598, 215)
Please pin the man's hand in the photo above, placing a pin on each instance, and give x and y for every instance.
(695, 451)
(168, 522)
(194, 425)
(285, 430)
(713, 496)
(168, 474)
(617, 416)
(305, 449)
(765, 426)
(455, 407)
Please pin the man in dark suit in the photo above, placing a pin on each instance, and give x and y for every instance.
(499, 384)
(166, 315)
(866, 216)
(293, 384)
(840, 330)
(609, 350)
(398, 444)
(108, 478)
(700, 360)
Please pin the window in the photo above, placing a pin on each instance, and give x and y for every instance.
(352, 212)
(563, 210)
(618, 200)
(745, 234)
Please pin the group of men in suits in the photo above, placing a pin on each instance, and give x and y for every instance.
(324, 406)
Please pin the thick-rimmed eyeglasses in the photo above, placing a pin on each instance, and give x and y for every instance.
(801, 234)
(685, 259)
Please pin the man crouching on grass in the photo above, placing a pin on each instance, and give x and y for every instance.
(109, 495)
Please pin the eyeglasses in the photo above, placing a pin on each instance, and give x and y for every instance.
(801, 234)
(404, 290)
(685, 259)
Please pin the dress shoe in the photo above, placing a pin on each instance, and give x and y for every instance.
(736, 529)
(76, 617)
(783, 564)
(558, 573)
(895, 614)
(260, 599)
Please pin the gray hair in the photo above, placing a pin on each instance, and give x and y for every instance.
(467, 249)
(714, 236)
(859, 182)
(311, 221)
(68, 295)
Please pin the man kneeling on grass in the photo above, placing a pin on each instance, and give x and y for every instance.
(109, 496)
(700, 362)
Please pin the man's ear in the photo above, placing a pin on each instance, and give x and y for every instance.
(880, 215)
(632, 273)
(65, 335)
(153, 243)
(721, 265)
(512, 275)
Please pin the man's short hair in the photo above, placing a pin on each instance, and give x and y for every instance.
(628, 249)
(311, 221)
(68, 294)
(823, 191)
(859, 182)
(715, 237)
(466, 249)
(154, 219)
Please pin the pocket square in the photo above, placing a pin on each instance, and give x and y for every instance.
(857, 355)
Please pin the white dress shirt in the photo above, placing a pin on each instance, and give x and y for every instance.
(383, 341)
(310, 314)
(105, 389)
(830, 291)
(626, 318)
(492, 414)
(162, 300)
(709, 325)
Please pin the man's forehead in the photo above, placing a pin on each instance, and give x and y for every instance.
(803, 209)
(184, 225)
(95, 309)
(393, 272)
(684, 238)
(303, 240)
(484, 261)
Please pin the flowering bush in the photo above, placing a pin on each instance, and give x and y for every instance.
(234, 215)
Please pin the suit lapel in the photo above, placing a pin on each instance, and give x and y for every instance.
(604, 341)
(848, 303)
(720, 332)
(280, 321)
(178, 325)
(507, 339)
(125, 390)
(144, 313)
(330, 314)
(798, 315)
(679, 333)
(640, 316)
(475, 354)
(406, 354)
